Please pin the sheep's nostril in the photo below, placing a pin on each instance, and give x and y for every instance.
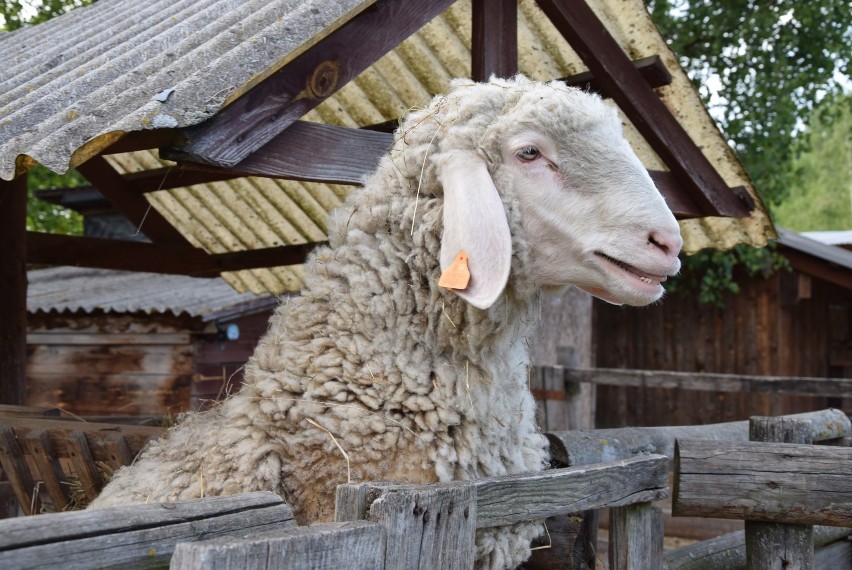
(669, 244)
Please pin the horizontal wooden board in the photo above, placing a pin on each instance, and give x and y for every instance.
(329, 546)
(109, 358)
(107, 338)
(96, 434)
(772, 482)
(578, 447)
(106, 394)
(135, 535)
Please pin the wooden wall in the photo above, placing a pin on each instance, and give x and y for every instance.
(219, 362)
(787, 325)
(110, 365)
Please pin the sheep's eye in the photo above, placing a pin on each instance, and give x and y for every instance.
(528, 153)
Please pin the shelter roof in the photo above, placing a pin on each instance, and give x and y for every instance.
(84, 290)
(106, 74)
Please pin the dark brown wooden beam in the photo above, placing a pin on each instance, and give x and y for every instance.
(175, 259)
(129, 201)
(819, 268)
(324, 153)
(652, 69)
(314, 152)
(274, 104)
(494, 43)
(621, 81)
(144, 140)
(13, 291)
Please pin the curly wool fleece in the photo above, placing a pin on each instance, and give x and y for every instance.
(414, 384)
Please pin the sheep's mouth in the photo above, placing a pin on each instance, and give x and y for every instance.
(646, 278)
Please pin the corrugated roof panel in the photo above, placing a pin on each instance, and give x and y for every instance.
(76, 289)
(96, 69)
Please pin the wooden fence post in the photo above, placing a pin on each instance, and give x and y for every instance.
(771, 546)
(636, 537)
(428, 526)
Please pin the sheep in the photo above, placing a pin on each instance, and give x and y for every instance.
(405, 358)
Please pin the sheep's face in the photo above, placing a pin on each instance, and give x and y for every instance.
(591, 213)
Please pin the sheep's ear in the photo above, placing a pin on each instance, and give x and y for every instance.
(474, 223)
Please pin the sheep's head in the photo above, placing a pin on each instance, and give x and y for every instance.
(591, 213)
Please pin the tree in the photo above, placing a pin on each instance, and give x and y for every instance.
(42, 216)
(760, 67)
(822, 173)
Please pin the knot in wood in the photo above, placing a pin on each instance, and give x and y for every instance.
(418, 510)
(324, 79)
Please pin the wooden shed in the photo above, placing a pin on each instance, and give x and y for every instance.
(796, 323)
(103, 342)
(227, 132)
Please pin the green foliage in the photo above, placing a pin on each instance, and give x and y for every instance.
(46, 217)
(821, 173)
(760, 65)
(710, 274)
(16, 13)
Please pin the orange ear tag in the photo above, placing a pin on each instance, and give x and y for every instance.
(457, 275)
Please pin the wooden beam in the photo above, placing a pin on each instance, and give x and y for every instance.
(274, 104)
(494, 43)
(817, 267)
(13, 291)
(129, 201)
(621, 81)
(652, 69)
(175, 259)
(135, 141)
(325, 153)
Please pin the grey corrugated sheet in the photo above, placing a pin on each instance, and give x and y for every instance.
(75, 289)
(830, 253)
(97, 69)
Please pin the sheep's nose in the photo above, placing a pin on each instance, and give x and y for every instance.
(669, 242)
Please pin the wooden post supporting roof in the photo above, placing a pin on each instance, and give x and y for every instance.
(494, 49)
(13, 291)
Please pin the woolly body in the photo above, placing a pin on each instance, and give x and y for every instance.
(410, 380)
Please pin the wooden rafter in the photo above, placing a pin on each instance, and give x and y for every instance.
(494, 43)
(176, 259)
(274, 104)
(129, 201)
(619, 79)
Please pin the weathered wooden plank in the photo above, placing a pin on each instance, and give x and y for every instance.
(532, 496)
(119, 451)
(573, 543)
(636, 537)
(17, 471)
(58, 431)
(703, 381)
(596, 446)
(428, 526)
(772, 482)
(134, 536)
(556, 400)
(165, 341)
(728, 552)
(84, 464)
(58, 357)
(39, 446)
(770, 545)
(330, 546)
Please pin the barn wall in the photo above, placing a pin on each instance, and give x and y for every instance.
(110, 365)
(219, 362)
(787, 325)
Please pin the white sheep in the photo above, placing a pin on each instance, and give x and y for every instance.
(379, 373)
